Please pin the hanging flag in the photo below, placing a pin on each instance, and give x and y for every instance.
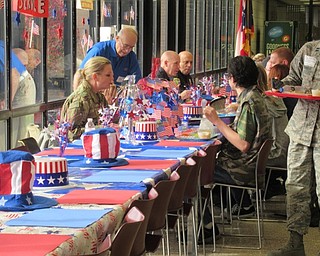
(36, 29)
(104, 9)
(131, 13)
(245, 29)
(90, 42)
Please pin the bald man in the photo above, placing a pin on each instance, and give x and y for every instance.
(120, 52)
(169, 68)
(169, 65)
(186, 63)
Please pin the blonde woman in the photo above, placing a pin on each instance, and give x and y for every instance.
(87, 99)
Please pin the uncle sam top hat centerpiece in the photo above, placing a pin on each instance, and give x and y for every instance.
(101, 147)
(17, 174)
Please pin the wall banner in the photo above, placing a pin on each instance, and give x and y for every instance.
(35, 8)
(279, 34)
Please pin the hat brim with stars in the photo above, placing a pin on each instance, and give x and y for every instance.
(17, 169)
(25, 202)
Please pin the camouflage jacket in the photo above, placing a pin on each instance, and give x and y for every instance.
(304, 125)
(82, 104)
(253, 124)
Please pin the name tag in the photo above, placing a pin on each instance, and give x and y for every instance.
(120, 79)
(310, 61)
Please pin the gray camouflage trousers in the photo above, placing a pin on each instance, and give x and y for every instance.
(303, 161)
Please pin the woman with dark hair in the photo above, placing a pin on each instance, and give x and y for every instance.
(252, 126)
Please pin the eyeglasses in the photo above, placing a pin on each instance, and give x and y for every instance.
(227, 76)
(125, 46)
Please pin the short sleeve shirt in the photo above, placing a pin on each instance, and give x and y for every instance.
(122, 66)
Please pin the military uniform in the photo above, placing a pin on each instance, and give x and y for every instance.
(278, 113)
(253, 125)
(83, 103)
(304, 133)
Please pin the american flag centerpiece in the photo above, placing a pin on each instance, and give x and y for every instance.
(61, 134)
(127, 109)
(164, 105)
(208, 85)
(107, 115)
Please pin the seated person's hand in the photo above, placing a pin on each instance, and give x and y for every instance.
(186, 94)
(231, 108)
(110, 93)
(211, 114)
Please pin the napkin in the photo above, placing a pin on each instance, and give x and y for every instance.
(121, 176)
(67, 152)
(173, 143)
(56, 217)
(162, 153)
(149, 165)
(29, 244)
(97, 196)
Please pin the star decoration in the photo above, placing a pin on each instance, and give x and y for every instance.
(28, 199)
(60, 179)
(149, 136)
(3, 201)
(51, 180)
(41, 180)
(131, 114)
(142, 136)
(139, 101)
(17, 18)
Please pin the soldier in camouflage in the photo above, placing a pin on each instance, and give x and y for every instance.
(237, 158)
(87, 99)
(304, 148)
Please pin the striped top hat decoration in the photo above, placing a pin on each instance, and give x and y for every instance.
(101, 147)
(17, 174)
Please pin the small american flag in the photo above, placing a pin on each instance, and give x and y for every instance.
(90, 42)
(84, 40)
(105, 12)
(36, 29)
(156, 114)
(166, 132)
(131, 13)
(166, 112)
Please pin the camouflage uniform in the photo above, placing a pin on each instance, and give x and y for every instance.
(304, 133)
(253, 125)
(278, 113)
(83, 103)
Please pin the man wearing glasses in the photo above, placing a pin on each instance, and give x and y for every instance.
(119, 52)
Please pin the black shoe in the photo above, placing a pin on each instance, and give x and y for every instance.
(208, 235)
(243, 211)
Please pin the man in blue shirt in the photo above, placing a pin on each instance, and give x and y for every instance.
(119, 52)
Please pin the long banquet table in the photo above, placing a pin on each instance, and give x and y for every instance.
(60, 236)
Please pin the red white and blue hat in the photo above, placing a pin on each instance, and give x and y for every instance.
(101, 147)
(17, 174)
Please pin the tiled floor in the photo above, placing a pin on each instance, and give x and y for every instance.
(275, 236)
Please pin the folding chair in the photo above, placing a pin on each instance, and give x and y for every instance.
(260, 170)
(124, 238)
(157, 219)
